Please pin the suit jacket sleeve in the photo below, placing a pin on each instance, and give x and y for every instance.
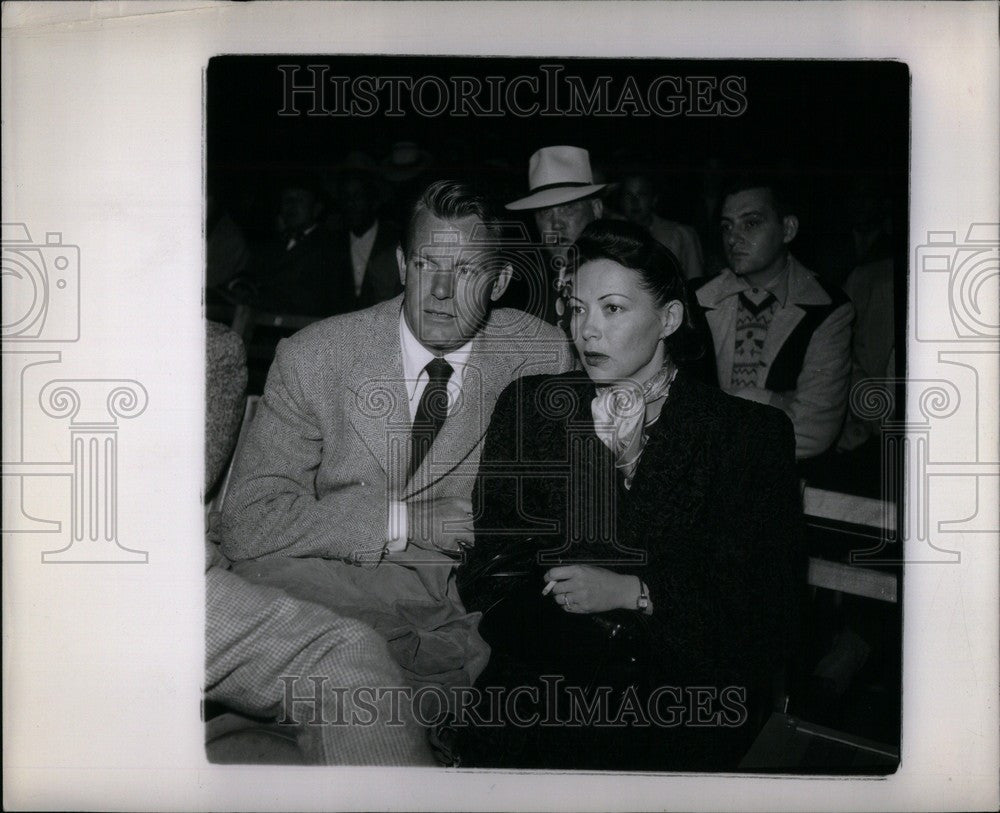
(820, 399)
(725, 604)
(495, 500)
(272, 507)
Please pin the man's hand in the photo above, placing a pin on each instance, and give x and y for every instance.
(444, 524)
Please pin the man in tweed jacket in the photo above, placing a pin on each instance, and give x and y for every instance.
(328, 501)
(264, 649)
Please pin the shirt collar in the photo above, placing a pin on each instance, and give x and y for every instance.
(368, 236)
(733, 284)
(416, 357)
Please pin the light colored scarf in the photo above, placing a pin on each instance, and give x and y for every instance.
(619, 412)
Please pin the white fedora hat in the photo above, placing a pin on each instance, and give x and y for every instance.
(557, 175)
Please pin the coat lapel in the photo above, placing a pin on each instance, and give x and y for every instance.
(486, 374)
(670, 450)
(378, 409)
(784, 322)
(722, 323)
(803, 290)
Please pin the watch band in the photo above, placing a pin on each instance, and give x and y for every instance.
(642, 602)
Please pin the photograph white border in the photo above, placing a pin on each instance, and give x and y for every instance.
(103, 144)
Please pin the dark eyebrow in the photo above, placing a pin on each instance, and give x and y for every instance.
(623, 296)
(757, 212)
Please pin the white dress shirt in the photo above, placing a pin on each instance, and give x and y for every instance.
(416, 357)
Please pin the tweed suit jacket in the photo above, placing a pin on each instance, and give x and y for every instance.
(329, 447)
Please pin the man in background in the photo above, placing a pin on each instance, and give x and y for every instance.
(638, 200)
(563, 199)
(368, 241)
(298, 274)
(781, 336)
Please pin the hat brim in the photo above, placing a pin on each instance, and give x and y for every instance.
(553, 197)
(398, 174)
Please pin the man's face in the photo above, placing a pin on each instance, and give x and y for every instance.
(638, 200)
(754, 237)
(450, 282)
(566, 222)
(299, 209)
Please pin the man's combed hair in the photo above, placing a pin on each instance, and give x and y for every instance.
(453, 200)
(659, 272)
(782, 197)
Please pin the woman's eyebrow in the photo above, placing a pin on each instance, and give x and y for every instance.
(605, 296)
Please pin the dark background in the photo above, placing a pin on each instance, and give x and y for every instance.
(821, 125)
(824, 118)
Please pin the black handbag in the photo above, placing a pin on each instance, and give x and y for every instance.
(535, 636)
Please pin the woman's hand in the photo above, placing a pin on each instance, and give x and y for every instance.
(589, 589)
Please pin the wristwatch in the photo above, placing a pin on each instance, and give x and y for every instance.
(642, 603)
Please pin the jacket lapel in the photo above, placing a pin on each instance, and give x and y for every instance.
(722, 323)
(670, 450)
(803, 290)
(376, 393)
(487, 372)
(784, 322)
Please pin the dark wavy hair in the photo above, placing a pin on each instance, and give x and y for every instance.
(659, 273)
(452, 200)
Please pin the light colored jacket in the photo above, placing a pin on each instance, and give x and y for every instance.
(329, 447)
(806, 357)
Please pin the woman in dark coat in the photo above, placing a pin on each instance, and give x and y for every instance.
(638, 556)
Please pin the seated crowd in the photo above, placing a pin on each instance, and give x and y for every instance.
(544, 498)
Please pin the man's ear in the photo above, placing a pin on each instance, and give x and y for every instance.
(671, 317)
(501, 282)
(401, 260)
(791, 227)
(598, 206)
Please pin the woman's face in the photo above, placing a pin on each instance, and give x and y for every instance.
(616, 324)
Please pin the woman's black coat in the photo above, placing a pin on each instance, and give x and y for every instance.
(712, 524)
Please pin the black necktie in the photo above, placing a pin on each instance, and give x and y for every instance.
(431, 411)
